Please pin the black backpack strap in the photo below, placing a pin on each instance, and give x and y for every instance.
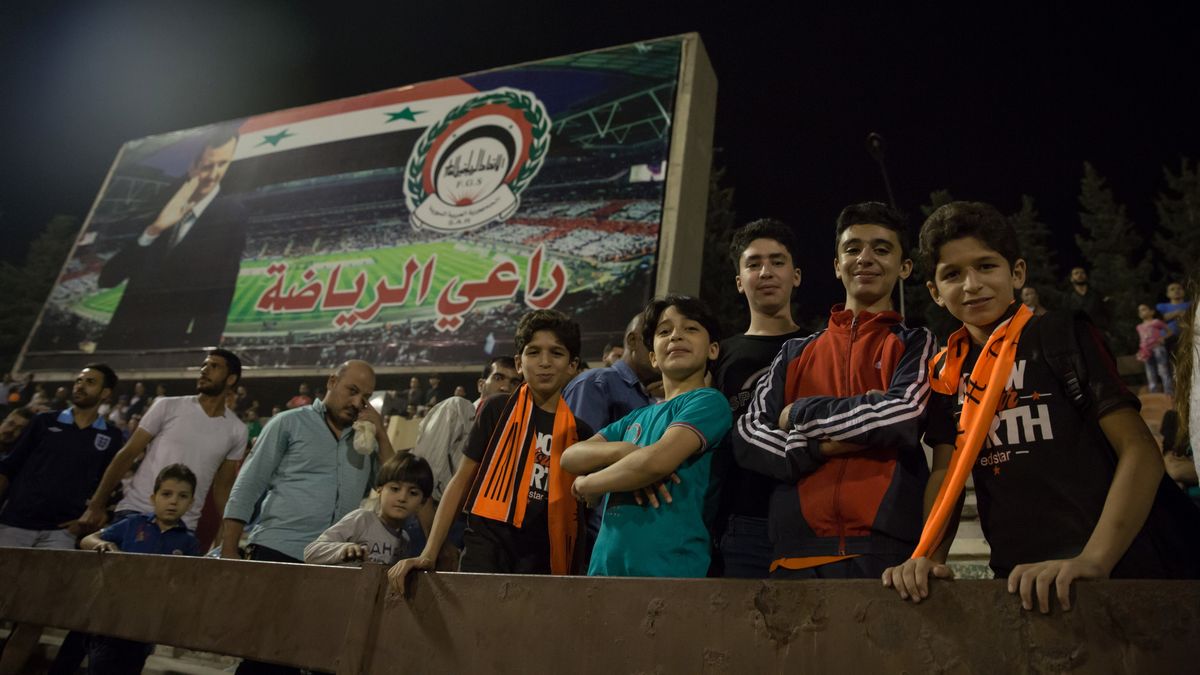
(1060, 349)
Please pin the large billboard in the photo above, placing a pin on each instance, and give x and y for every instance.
(409, 227)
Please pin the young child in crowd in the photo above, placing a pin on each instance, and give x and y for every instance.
(836, 420)
(1070, 483)
(649, 444)
(377, 535)
(764, 254)
(162, 533)
(1152, 350)
(521, 515)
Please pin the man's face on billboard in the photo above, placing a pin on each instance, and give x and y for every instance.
(210, 168)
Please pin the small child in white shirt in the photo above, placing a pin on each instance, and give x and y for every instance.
(377, 535)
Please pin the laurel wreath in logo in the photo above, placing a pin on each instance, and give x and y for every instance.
(534, 113)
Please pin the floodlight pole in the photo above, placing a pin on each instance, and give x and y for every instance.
(875, 148)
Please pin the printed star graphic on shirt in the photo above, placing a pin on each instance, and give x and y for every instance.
(1036, 396)
(273, 139)
(406, 114)
(995, 471)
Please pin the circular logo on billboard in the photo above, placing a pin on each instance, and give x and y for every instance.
(469, 169)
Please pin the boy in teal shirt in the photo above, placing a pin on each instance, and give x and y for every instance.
(649, 445)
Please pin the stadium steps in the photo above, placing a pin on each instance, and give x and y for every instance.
(164, 661)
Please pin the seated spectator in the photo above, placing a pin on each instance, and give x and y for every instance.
(162, 533)
(377, 535)
(1029, 298)
(435, 393)
(613, 351)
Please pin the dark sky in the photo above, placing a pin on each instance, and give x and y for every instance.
(987, 103)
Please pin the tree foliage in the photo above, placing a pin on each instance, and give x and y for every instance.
(717, 288)
(1178, 207)
(27, 285)
(1119, 266)
(1034, 238)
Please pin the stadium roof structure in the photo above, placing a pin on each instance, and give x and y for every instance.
(638, 117)
(631, 61)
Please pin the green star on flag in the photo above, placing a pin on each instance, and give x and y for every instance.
(406, 114)
(273, 139)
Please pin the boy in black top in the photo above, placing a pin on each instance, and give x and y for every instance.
(520, 520)
(763, 253)
(1069, 480)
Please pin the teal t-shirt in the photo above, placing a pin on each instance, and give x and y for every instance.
(672, 540)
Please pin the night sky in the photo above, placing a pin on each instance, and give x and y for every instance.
(989, 104)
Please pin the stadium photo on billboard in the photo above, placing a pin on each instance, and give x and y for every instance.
(408, 227)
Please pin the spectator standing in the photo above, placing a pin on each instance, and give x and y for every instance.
(763, 255)
(1084, 298)
(160, 532)
(1029, 297)
(414, 396)
(55, 465)
(613, 351)
(1175, 308)
(197, 431)
(435, 392)
(1152, 351)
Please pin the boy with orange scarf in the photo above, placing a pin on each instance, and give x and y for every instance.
(1069, 480)
(521, 516)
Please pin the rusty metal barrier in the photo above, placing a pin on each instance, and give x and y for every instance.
(343, 620)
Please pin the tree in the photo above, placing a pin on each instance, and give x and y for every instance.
(919, 306)
(1033, 237)
(717, 289)
(1178, 207)
(1119, 265)
(27, 286)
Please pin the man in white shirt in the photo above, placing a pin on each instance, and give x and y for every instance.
(444, 430)
(197, 431)
(183, 266)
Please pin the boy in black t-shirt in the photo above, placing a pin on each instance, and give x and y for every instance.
(1069, 480)
(763, 253)
(522, 518)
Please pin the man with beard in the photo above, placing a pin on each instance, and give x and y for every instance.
(311, 468)
(196, 431)
(11, 428)
(56, 464)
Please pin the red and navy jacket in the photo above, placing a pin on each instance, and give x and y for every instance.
(864, 379)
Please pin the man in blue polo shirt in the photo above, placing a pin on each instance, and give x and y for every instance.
(55, 466)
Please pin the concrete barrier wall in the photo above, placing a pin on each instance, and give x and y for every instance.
(343, 620)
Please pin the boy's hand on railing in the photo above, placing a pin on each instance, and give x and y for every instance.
(106, 547)
(399, 572)
(911, 579)
(353, 551)
(1028, 578)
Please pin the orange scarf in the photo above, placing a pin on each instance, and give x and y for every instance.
(501, 490)
(979, 408)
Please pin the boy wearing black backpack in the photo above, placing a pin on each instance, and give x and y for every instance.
(1069, 480)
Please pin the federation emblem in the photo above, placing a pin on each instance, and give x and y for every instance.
(633, 433)
(102, 442)
(469, 168)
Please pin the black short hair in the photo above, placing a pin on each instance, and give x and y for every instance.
(763, 228)
(611, 345)
(501, 361)
(406, 468)
(691, 307)
(110, 375)
(873, 213)
(563, 327)
(958, 220)
(232, 362)
(179, 472)
(218, 136)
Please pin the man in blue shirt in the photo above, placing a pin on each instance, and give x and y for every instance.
(601, 396)
(56, 464)
(307, 464)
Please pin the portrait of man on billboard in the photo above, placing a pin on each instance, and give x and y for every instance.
(182, 269)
